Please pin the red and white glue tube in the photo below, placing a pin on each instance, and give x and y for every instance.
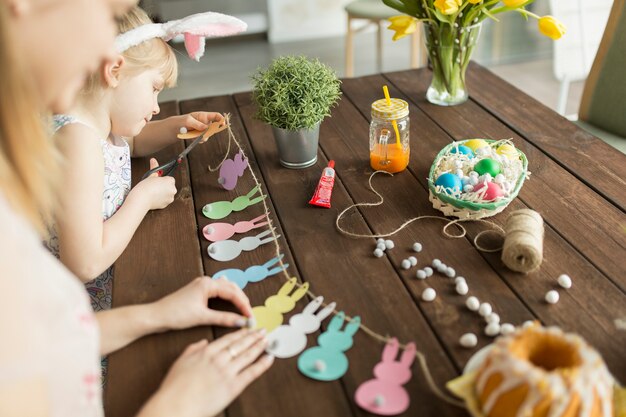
(324, 187)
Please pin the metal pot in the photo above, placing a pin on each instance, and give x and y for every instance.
(297, 148)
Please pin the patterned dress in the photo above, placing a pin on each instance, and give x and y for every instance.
(117, 182)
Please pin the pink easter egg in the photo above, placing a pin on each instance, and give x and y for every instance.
(493, 191)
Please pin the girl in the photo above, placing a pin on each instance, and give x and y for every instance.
(51, 338)
(118, 102)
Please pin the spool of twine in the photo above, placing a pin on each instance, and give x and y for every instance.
(523, 242)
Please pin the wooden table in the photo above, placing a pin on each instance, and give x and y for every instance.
(577, 184)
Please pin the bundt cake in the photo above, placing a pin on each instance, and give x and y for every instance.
(542, 372)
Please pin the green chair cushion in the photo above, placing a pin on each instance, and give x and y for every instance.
(370, 9)
(615, 141)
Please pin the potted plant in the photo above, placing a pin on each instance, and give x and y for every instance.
(293, 95)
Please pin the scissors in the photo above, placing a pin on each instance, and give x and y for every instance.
(198, 136)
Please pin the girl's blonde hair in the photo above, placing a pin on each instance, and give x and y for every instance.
(152, 54)
(29, 164)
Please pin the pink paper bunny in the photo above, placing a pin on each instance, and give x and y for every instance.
(287, 341)
(384, 395)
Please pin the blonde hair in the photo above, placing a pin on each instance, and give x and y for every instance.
(152, 54)
(29, 164)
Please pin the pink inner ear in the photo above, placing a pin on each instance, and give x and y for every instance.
(194, 45)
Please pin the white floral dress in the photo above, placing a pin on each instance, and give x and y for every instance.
(117, 182)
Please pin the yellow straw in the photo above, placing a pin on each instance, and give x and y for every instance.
(393, 122)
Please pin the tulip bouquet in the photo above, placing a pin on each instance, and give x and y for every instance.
(451, 29)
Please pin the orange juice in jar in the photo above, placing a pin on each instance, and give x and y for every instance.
(389, 144)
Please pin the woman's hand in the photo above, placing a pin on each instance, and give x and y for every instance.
(207, 377)
(188, 306)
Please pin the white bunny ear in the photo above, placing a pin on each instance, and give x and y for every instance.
(390, 351)
(408, 356)
(326, 311)
(313, 305)
(287, 287)
(195, 29)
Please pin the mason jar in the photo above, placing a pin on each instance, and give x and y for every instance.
(389, 135)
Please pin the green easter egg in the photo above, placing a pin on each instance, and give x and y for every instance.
(488, 166)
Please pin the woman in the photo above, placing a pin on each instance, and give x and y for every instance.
(50, 339)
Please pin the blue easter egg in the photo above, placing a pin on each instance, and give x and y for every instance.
(450, 182)
(462, 149)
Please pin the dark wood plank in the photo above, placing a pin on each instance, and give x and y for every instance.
(589, 308)
(583, 217)
(283, 376)
(163, 256)
(343, 270)
(588, 158)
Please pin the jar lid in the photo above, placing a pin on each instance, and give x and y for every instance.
(397, 110)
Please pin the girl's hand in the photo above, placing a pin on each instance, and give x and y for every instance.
(188, 306)
(198, 120)
(158, 192)
(207, 377)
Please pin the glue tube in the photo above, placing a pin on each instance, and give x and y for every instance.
(324, 188)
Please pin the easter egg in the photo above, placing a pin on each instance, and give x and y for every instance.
(474, 144)
(507, 150)
(493, 190)
(464, 150)
(488, 166)
(450, 182)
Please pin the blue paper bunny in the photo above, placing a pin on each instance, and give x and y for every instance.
(255, 273)
(327, 362)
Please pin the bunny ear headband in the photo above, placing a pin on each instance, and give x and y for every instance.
(195, 28)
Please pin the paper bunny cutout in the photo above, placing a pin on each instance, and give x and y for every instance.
(227, 250)
(384, 395)
(220, 209)
(255, 273)
(195, 29)
(270, 315)
(287, 341)
(327, 362)
(215, 232)
(231, 170)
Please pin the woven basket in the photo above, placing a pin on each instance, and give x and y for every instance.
(463, 209)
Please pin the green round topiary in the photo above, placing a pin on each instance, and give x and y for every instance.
(295, 92)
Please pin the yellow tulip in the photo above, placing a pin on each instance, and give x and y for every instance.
(551, 27)
(513, 3)
(474, 1)
(448, 6)
(403, 25)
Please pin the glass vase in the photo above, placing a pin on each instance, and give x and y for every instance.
(449, 49)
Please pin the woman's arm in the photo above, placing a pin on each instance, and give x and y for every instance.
(88, 246)
(157, 135)
(187, 307)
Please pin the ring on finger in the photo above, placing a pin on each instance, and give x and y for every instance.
(232, 352)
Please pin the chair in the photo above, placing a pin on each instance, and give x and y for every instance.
(377, 13)
(603, 103)
(574, 52)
